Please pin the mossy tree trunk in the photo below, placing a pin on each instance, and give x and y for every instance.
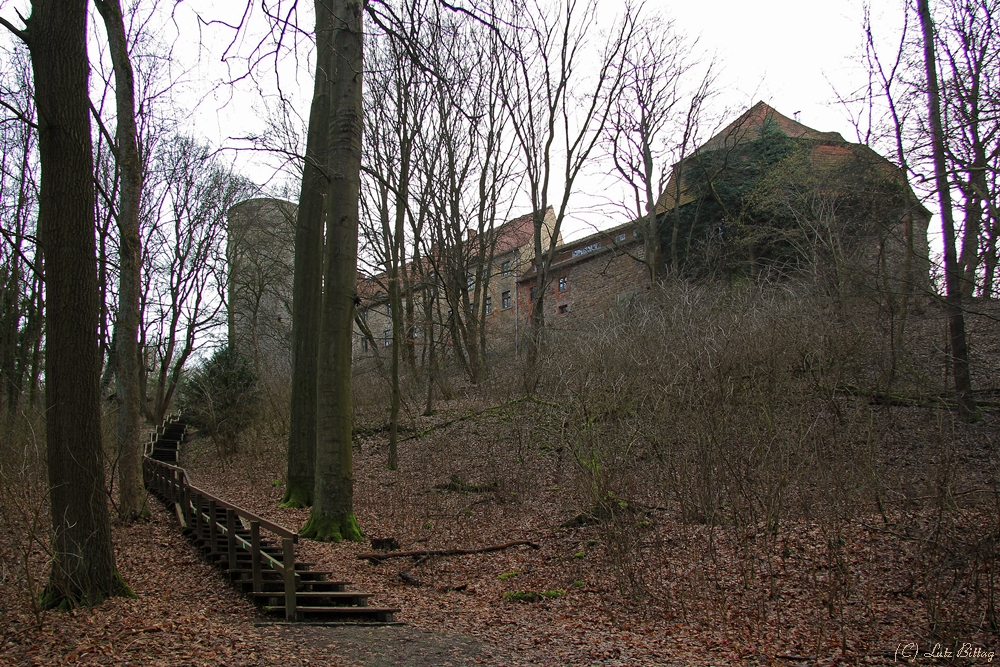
(307, 289)
(332, 516)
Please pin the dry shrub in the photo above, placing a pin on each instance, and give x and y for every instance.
(737, 413)
(24, 515)
(722, 403)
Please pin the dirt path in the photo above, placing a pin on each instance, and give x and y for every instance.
(396, 645)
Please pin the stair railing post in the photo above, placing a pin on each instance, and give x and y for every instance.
(258, 578)
(197, 517)
(213, 528)
(186, 504)
(231, 540)
(288, 564)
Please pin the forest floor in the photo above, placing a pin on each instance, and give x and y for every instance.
(648, 589)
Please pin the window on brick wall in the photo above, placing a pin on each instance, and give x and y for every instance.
(563, 310)
(387, 337)
(531, 296)
(472, 281)
(563, 284)
(505, 269)
(506, 300)
(388, 310)
(489, 305)
(364, 344)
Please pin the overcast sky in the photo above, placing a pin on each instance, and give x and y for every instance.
(795, 55)
(788, 53)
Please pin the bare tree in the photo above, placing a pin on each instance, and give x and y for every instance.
(307, 294)
(969, 45)
(83, 567)
(332, 516)
(953, 275)
(130, 488)
(184, 221)
(396, 101)
(21, 284)
(644, 122)
(553, 95)
(471, 164)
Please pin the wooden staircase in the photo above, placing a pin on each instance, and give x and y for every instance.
(236, 541)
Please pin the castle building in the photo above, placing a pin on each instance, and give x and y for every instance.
(260, 253)
(766, 195)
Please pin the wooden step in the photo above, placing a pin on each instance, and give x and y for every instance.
(306, 586)
(242, 563)
(304, 575)
(380, 614)
(336, 598)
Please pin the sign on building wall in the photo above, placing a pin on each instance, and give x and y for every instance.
(587, 250)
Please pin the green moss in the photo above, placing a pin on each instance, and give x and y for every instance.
(297, 496)
(121, 589)
(521, 596)
(533, 596)
(53, 598)
(332, 528)
(508, 575)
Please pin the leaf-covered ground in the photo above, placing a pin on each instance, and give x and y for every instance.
(640, 588)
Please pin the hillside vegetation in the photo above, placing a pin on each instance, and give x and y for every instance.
(736, 475)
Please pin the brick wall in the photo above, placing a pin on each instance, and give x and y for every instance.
(605, 268)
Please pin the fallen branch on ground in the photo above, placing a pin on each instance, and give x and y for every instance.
(405, 575)
(378, 558)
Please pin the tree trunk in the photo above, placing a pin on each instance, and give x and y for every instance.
(973, 232)
(953, 276)
(307, 289)
(332, 516)
(653, 246)
(536, 321)
(394, 393)
(131, 493)
(83, 561)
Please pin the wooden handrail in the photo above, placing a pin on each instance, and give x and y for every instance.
(172, 482)
(280, 531)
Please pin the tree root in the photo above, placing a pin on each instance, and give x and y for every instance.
(332, 528)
